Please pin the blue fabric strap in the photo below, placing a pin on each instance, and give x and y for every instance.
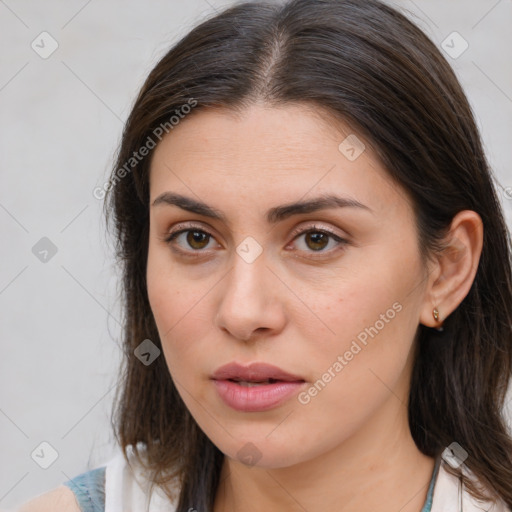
(89, 489)
(428, 504)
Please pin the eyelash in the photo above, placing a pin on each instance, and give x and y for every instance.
(310, 229)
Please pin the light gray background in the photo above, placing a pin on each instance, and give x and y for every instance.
(61, 120)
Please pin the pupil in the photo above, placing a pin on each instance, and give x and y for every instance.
(316, 239)
(196, 237)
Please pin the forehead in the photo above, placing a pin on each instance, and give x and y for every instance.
(265, 149)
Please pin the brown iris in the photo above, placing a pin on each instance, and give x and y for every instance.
(318, 240)
(197, 237)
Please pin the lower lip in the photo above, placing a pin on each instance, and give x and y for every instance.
(256, 398)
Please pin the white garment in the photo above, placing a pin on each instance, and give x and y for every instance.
(449, 497)
(126, 491)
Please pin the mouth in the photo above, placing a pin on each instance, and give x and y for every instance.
(255, 388)
(249, 384)
(255, 373)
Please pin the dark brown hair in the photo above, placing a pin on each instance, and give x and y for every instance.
(366, 64)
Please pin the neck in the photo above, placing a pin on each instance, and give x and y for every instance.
(374, 470)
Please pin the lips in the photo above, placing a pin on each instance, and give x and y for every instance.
(254, 373)
(257, 387)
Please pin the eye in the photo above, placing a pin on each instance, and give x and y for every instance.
(195, 240)
(316, 239)
(191, 238)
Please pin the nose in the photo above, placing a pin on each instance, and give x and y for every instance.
(250, 304)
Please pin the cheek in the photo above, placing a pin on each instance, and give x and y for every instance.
(372, 319)
(167, 294)
(371, 334)
(356, 374)
(167, 289)
(179, 305)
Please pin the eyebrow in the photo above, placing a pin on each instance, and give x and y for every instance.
(273, 215)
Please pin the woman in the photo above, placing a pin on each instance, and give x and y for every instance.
(317, 276)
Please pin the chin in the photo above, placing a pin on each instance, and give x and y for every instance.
(259, 451)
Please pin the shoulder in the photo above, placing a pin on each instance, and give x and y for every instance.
(83, 493)
(60, 499)
(118, 485)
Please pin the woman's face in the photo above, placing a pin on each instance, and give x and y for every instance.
(329, 293)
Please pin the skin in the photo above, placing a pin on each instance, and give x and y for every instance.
(350, 448)
(60, 499)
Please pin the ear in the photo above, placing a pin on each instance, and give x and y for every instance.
(454, 269)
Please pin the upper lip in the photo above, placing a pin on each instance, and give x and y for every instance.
(253, 372)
